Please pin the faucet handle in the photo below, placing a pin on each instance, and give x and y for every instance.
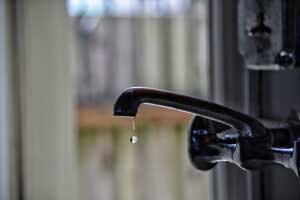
(210, 142)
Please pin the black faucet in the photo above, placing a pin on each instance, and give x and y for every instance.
(218, 133)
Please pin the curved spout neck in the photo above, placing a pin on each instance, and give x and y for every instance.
(128, 102)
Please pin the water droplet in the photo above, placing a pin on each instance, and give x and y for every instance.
(134, 139)
(133, 125)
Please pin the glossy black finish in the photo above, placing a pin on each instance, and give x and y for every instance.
(128, 102)
(219, 134)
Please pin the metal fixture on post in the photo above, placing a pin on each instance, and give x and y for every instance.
(269, 36)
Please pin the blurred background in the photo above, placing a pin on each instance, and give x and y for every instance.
(153, 43)
(63, 64)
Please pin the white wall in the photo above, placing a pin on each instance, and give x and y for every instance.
(47, 73)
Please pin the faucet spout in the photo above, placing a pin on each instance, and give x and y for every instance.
(253, 139)
(128, 102)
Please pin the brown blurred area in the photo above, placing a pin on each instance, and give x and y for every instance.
(100, 117)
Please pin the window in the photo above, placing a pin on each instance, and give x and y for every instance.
(126, 7)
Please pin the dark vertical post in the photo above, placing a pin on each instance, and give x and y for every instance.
(229, 85)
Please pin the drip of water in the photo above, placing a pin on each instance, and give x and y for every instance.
(133, 139)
